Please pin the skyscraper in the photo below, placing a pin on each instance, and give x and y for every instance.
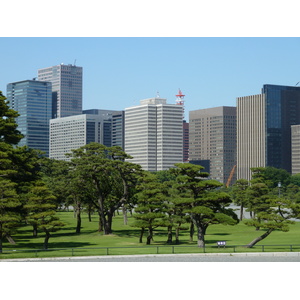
(66, 89)
(33, 100)
(295, 149)
(118, 129)
(154, 134)
(185, 141)
(213, 140)
(264, 128)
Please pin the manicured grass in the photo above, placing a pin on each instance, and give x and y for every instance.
(125, 240)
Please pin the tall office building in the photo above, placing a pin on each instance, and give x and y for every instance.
(73, 132)
(264, 128)
(185, 141)
(66, 89)
(118, 129)
(213, 140)
(154, 134)
(33, 101)
(295, 149)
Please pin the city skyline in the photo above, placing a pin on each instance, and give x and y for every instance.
(119, 72)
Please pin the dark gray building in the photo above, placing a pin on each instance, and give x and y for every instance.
(212, 140)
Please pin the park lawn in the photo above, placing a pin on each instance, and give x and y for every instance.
(126, 238)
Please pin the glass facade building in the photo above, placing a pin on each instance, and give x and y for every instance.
(282, 111)
(264, 128)
(33, 101)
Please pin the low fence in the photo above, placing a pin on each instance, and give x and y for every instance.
(151, 249)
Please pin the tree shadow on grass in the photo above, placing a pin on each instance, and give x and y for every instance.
(127, 233)
(220, 233)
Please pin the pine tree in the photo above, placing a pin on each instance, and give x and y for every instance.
(9, 216)
(203, 202)
(150, 209)
(41, 210)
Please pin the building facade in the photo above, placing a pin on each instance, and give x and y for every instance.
(118, 129)
(213, 140)
(66, 89)
(185, 141)
(295, 131)
(264, 128)
(154, 134)
(73, 132)
(33, 101)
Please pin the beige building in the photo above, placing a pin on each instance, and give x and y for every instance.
(154, 134)
(295, 149)
(213, 140)
(251, 146)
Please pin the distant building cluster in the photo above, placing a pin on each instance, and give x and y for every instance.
(262, 130)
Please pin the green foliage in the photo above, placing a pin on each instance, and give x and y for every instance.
(8, 126)
(271, 176)
(41, 210)
(165, 175)
(150, 209)
(109, 176)
(271, 210)
(9, 203)
(204, 202)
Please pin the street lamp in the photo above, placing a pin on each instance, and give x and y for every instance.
(279, 186)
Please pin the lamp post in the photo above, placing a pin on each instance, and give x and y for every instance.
(279, 186)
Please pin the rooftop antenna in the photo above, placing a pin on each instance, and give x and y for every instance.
(74, 62)
(180, 100)
(157, 95)
(297, 83)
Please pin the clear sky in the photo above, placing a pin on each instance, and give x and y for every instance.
(120, 71)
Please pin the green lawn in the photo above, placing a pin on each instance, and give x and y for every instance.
(125, 240)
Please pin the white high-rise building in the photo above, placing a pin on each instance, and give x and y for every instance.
(66, 89)
(73, 132)
(154, 134)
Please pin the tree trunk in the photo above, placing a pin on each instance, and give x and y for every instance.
(47, 237)
(108, 225)
(177, 236)
(258, 239)
(150, 236)
(192, 230)
(90, 215)
(170, 235)
(125, 219)
(34, 230)
(1, 238)
(200, 236)
(78, 227)
(141, 234)
(10, 239)
(241, 212)
(100, 223)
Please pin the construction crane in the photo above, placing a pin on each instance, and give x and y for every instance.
(230, 176)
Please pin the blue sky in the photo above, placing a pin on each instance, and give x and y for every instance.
(120, 71)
